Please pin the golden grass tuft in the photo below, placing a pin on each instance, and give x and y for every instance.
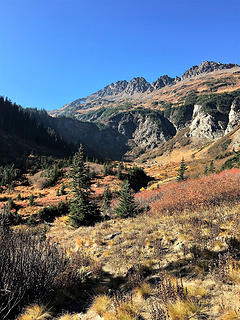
(101, 304)
(234, 271)
(66, 317)
(144, 290)
(35, 312)
(69, 316)
(123, 309)
(230, 315)
(183, 309)
(196, 291)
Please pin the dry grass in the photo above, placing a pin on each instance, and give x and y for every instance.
(101, 304)
(124, 308)
(69, 316)
(144, 291)
(35, 312)
(230, 315)
(183, 309)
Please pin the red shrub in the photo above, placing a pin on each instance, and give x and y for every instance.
(211, 190)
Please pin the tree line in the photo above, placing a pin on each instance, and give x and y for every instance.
(22, 124)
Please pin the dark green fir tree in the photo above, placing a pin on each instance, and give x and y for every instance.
(31, 200)
(119, 171)
(107, 197)
(126, 207)
(212, 167)
(83, 211)
(63, 191)
(206, 170)
(181, 171)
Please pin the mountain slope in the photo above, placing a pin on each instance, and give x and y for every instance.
(128, 119)
(206, 78)
(21, 134)
(143, 117)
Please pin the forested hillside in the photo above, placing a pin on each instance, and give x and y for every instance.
(21, 134)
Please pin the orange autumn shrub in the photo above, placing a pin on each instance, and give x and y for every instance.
(211, 190)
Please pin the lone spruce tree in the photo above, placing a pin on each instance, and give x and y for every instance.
(126, 207)
(83, 211)
(107, 197)
(211, 167)
(181, 171)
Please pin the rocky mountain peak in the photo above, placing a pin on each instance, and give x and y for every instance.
(162, 82)
(206, 67)
(138, 85)
(113, 89)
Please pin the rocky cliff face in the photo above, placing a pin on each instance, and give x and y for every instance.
(206, 67)
(205, 125)
(148, 135)
(162, 82)
(142, 130)
(113, 89)
(137, 85)
(234, 115)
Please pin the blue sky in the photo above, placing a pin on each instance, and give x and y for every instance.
(55, 51)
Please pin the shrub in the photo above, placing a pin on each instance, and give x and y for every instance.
(9, 218)
(137, 178)
(48, 214)
(183, 309)
(52, 176)
(213, 189)
(19, 198)
(8, 176)
(31, 269)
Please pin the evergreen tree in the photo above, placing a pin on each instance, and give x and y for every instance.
(10, 204)
(107, 197)
(212, 167)
(119, 171)
(181, 171)
(126, 205)
(63, 191)
(206, 170)
(8, 218)
(107, 167)
(31, 200)
(82, 210)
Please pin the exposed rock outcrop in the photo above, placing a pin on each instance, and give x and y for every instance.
(205, 125)
(234, 115)
(138, 85)
(162, 82)
(147, 134)
(113, 89)
(206, 67)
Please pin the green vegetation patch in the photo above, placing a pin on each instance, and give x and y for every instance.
(217, 103)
